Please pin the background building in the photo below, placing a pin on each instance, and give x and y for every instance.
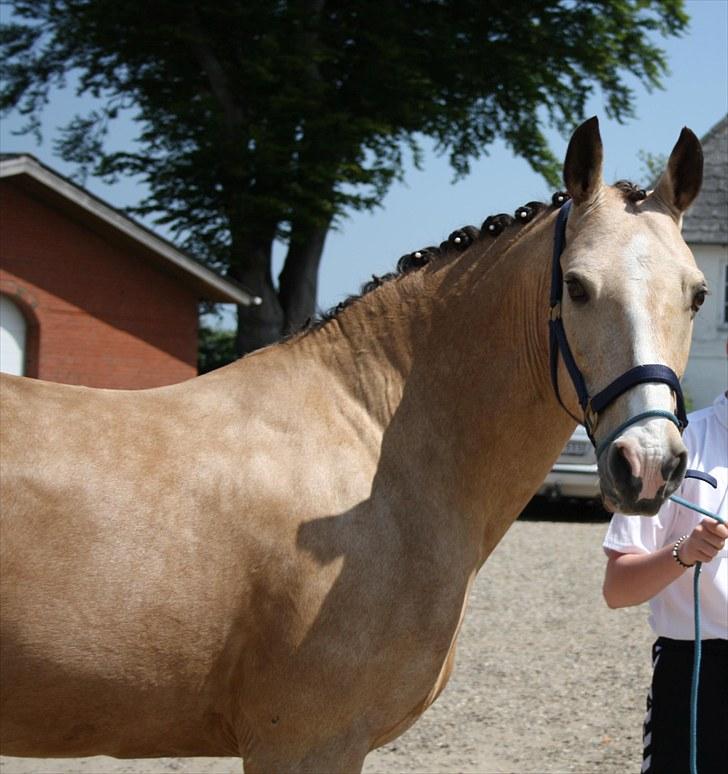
(87, 295)
(705, 229)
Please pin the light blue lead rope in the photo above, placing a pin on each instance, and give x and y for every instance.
(697, 651)
(644, 415)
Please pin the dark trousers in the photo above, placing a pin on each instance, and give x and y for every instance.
(667, 723)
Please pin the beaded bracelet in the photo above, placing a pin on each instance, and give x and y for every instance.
(676, 555)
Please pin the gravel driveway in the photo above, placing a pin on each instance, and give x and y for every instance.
(547, 678)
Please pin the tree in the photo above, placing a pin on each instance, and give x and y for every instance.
(653, 165)
(215, 348)
(264, 121)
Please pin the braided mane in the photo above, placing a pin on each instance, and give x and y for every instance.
(458, 241)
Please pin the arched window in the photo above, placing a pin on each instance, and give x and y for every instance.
(13, 336)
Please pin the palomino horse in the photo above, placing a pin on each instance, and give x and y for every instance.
(272, 561)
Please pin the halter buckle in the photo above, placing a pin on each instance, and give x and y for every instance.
(591, 419)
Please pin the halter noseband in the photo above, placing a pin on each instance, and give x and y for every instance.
(558, 343)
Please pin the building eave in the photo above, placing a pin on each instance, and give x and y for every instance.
(41, 181)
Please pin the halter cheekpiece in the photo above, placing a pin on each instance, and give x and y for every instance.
(593, 406)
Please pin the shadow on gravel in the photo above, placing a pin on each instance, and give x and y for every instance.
(544, 509)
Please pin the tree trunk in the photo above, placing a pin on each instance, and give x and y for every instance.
(284, 310)
(298, 281)
(258, 326)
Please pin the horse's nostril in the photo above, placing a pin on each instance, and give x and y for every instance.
(675, 467)
(628, 454)
(621, 465)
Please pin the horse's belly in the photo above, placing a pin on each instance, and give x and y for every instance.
(53, 710)
(104, 658)
(67, 702)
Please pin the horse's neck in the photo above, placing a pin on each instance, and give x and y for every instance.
(452, 363)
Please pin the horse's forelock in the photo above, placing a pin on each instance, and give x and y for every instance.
(631, 191)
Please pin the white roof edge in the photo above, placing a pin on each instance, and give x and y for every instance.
(26, 164)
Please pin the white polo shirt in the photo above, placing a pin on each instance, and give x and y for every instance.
(671, 611)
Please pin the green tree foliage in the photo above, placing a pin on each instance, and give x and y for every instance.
(271, 120)
(652, 165)
(215, 348)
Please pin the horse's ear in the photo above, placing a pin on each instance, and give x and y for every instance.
(583, 164)
(680, 182)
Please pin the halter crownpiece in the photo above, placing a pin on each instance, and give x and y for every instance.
(558, 344)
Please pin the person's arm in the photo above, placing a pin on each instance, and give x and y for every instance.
(632, 579)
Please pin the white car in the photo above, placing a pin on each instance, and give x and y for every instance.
(574, 473)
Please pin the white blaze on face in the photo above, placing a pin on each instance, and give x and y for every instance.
(643, 443)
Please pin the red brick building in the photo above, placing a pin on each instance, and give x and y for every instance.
(88, 295)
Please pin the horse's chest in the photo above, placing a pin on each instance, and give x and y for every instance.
(408, 658)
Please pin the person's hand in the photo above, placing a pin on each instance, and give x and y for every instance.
(704, 542)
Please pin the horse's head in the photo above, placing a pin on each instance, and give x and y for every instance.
(631, 290)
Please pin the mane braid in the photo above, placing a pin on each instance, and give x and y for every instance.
(458, 241)
(631, 191)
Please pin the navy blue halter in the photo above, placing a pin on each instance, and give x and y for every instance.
(558, 343)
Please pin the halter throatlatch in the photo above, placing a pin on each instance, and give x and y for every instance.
(558, 343)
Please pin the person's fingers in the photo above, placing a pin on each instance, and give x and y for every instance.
(716, 528)
(704, 550)
(709, 533)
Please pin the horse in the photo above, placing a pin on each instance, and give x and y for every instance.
(273, 560)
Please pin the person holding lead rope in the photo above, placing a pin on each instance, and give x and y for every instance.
(648, 559)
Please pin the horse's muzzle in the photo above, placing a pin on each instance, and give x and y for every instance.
(638, 480)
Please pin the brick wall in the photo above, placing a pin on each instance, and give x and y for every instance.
(99, 314)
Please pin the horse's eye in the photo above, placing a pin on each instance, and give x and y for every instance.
(576, 291)
(699, 299)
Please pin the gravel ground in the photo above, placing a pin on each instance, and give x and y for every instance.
(547, 680)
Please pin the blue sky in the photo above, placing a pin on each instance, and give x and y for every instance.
(428, 206)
